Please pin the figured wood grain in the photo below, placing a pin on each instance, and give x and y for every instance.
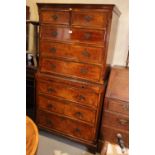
(31, 137)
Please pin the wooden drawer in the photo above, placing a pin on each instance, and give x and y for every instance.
(68, 92)
(116, 120)
(71, 69)
(65, 126)
(89, 18)
(66, 108)
(73, 52)
(54, 17)
(55, 33)
(78, 35)
(116, 106)
(109, 134)
(89, 36)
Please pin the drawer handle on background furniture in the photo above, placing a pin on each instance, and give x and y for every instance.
(54, 33)
(126, 107)
(123, 121)
(53, 50)
(80, 97)
(79, 114)
(87, 36)
(55, 17)
(84, 70)
(77, 130)
(85, 53)
(49, 122)
(88, 18)
(121, 142)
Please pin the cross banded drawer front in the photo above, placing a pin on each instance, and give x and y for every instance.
(89, 18)
(69, 93)
(66, 109)
(73, 69)
(71, 128)
(72, 52)
(55, 17)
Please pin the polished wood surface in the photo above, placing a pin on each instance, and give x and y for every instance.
(115, 117)
(31, 137)
(72, 69)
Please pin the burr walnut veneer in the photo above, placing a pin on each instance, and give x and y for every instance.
(76, 47)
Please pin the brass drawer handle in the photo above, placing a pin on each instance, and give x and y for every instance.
(53, 50)
(49, 122)
(79, 114)
(126, 107)
(83, 70)
(80, 97)
(123, 121)
(54, 33)
(49, 106)
(85, 53)
(53, 66)
(77, 130)
(87, 36)
(55, 17)
(88, 18)
(50, 90)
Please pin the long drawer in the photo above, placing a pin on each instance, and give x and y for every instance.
(66, 108)
(65, 126)
(68, 92)
(78, 53)
(116, 120)
(71, 69)
(76, 35)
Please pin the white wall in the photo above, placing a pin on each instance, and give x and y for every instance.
(122, 44)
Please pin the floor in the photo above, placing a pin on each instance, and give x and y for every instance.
(54, 145)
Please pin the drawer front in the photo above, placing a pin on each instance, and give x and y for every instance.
(66, 108)
(117, 106)
(65, 126)
(109, 134)
(115, 120)
(71, 69)
(54, 17)
(90, 18)
(73, 52)
(68, 92)
(88, 36)
(55, 33)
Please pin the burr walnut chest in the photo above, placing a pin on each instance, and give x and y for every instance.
(76, 45)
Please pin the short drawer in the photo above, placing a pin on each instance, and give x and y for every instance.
(68, 92)
(116, 106)
(89, 36)
(55, 33)
(65, 126)
(116, 120)
(89, 18)
(111, 135)
(54, 17)
(72, 52)
(66, 108)
(71, 69)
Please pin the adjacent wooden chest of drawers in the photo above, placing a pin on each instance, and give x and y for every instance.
(76, 49)
(115, 119)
